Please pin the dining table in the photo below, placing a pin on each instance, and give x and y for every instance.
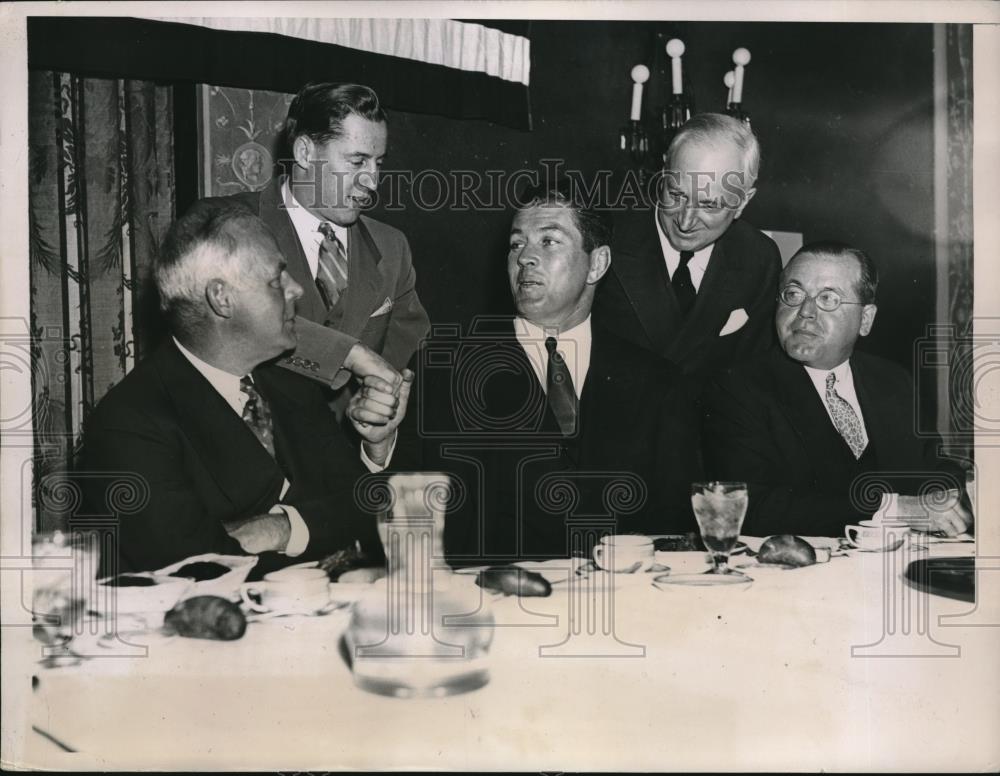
(840, 666)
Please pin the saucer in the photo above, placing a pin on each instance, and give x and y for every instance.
(734, 580)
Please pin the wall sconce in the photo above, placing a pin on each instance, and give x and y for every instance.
(634, 138)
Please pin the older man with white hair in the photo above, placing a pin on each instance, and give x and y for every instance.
(691, 281)
(239, 455)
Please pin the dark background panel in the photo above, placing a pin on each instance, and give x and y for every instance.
(843, 111)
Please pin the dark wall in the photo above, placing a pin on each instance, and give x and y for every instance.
(843, 111)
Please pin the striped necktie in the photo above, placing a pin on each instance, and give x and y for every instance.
(559, 389)
(331, 272)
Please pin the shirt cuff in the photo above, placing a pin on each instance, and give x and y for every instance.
(373, 467)
(298, 537)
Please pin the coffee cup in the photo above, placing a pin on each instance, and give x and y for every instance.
(291, 591)
(624, 553)
(877, 535)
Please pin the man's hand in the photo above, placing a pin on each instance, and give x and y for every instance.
(363, 362)
(261, 533)
(940, 512)
(376, 411)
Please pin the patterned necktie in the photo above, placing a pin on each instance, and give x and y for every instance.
(683, 286)
(257, 415)
(559, 389)
(845, 419)
(331, 273)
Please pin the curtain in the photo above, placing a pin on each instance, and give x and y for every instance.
(959, 230)
(100, 198)
(197, 54)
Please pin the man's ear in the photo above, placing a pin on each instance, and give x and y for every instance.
(867, 319)
(219, 295)
(747, 196)
(600, 261)
(302, 151)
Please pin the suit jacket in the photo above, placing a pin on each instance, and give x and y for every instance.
(636, 301)
(203, 465)
(765, 424)
(380, 307)
(483, 418)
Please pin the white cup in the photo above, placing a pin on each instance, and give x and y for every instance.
(624, 553)
(877, 535)
(293, 591)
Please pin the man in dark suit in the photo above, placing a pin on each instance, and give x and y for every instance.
(356, 273)
(545, 421)
(690, 281)
(238, 455)
(820, 431)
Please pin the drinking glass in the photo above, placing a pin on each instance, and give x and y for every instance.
(719, 508)
(64, 578)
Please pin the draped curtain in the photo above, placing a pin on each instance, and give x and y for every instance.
(959, 229)
(100, 198)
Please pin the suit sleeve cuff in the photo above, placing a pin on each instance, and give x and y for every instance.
(298, 538)
(373, 467)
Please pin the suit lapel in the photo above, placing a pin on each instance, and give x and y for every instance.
(274, 213)
(880, 412)
(517, 392)
(723, 280)
(640, 268)
(291, 426)
(608, 379)
(364, 279)
(806, 411)
(240, 466)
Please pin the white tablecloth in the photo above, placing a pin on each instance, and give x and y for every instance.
(774, 676)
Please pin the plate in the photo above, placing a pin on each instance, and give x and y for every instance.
(225, 585)
(948, 577)
(735, 579)
(157, 598)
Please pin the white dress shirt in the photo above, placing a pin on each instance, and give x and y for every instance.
(844, 388)
(228, 386)
(573, 345)
(307, 228)
(310, 238)
(696, 266)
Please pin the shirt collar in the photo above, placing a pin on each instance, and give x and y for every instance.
(528, 331)
(842, 371)
(306, 223)
(700, 258)
(227, 384)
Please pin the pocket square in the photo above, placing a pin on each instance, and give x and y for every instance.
(737, 318)
(386, 307)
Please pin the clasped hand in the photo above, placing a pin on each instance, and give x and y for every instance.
(939, 512)
(377, 409)
(261, 533)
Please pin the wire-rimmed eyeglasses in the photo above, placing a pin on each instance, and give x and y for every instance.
(826, 300)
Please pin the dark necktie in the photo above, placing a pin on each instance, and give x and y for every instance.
(845, 419)
(257, 415)
(559, 389)
(683, 287)
(331, 272)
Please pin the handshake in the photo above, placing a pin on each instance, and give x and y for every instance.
(379, 405)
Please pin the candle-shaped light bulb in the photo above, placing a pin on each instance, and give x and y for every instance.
(640, 74)
(675, 49)
(741, 58)
(729, 79)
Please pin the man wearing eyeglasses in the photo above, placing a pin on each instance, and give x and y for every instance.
(824, 434)
(691, 281)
